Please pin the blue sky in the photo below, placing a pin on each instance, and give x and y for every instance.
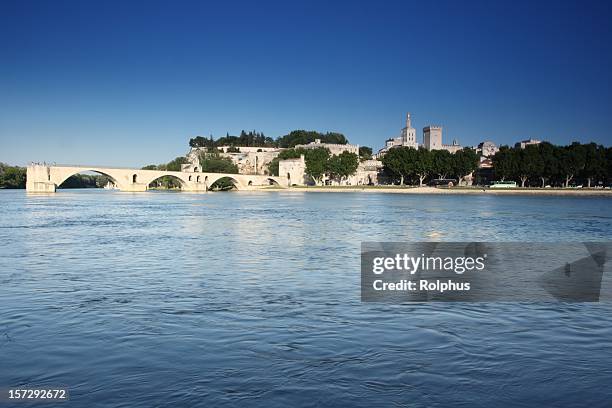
(128, 83)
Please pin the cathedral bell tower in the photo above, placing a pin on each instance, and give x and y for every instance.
(409, 134)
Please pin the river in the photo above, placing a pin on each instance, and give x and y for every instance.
(253, 299)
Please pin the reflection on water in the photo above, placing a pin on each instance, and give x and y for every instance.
(253, 298)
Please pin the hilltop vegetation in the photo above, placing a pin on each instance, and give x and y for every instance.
(298, 137)
(256, 139)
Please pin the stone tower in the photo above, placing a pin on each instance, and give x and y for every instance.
(409, 134)
(432, 137)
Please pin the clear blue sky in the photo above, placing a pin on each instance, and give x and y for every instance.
(128, 83)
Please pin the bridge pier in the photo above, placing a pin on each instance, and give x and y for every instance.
(195, 187)
(134, 187)
(38, 180)
(40, 187)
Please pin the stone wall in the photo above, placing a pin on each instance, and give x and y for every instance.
(252, 162)
(249, 160)
(334, 149)
(294, 170)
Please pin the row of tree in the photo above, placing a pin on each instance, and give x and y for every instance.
(545, 163)
(320, 163)
(257, 139)
(406, 164)
(12, 176)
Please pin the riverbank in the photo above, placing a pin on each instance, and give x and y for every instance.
(458, 190)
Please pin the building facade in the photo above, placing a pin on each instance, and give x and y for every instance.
(432, 140)
(523, 143)
(334, 149)
(252, 162)
(367, 173)
(487, 148)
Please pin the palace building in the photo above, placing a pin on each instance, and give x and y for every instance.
(432, 139)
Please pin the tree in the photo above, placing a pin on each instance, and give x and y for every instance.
(251, 138)
(550, 165)
(102, 181)
(572, 160)
(528, 163)
(175, 165)
(465, 162)
(200, 141)
(422, 165)
(213, 163)
(297, 137)
(316, 162)
(397, 162)
(342, 166)
(442, 163)
(150, 167)
(595, 162)
(365, 153)
(334, 137)
(609, 165)
(503, 162)
(12, 176)
(273, 166)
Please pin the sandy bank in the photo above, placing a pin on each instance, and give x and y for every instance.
(433, 190)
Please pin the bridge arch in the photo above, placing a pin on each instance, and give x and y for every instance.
(62, 178)
(171, 180)
(213, 181)
(273, 182)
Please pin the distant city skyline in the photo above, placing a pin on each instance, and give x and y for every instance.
(119, 83)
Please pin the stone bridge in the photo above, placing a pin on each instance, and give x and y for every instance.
(44, 178)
